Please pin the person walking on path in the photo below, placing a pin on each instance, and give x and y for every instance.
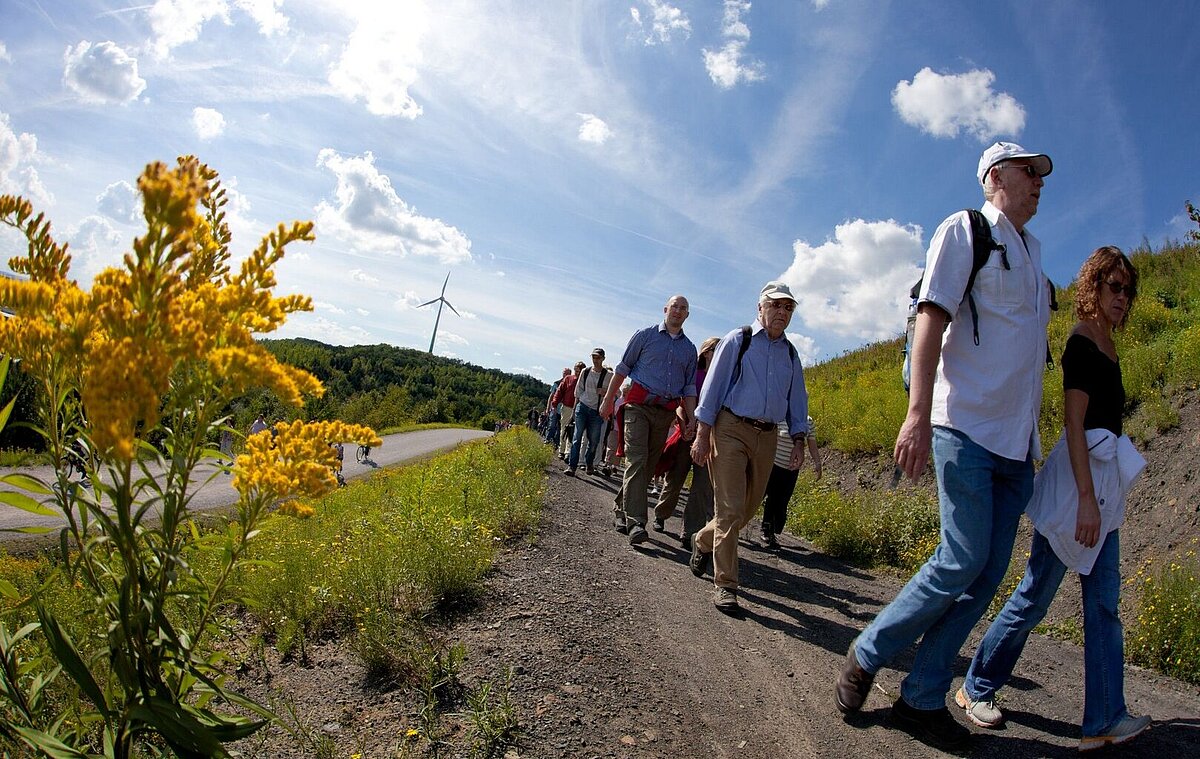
(1077, 507)
(782, 482)
(564, 401)
(589, 390)
(661, 362)
(749, 389)
(974, 402)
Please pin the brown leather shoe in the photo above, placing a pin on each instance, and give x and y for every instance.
(853, 684)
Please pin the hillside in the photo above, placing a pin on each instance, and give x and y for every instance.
(385, 386)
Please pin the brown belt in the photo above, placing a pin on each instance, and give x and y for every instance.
(757, 424)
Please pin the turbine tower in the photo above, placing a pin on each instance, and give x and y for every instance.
(440, 300)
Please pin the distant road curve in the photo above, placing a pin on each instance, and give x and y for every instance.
(397, 449)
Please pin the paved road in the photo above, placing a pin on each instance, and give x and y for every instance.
(396, 449)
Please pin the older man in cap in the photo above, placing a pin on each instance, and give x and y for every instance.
(976, 395)
(590, 389)
(755, 381)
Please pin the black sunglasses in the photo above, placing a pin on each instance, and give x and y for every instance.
(1116, 288)
(1029, 170)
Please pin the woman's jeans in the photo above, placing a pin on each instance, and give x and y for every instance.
(1103, 646)
(981, 497)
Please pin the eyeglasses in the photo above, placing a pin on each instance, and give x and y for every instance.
(1029, 170)
(1116, 288)
(786, 305)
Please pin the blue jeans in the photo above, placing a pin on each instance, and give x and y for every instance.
(552, 427)
(981, 498)
(586, 419)
(1103, 646)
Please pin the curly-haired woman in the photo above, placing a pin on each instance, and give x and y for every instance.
(1077, 506)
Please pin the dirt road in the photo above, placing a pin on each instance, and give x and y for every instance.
(619, 653)
(217, 492)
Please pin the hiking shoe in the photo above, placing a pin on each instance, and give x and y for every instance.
(619, 522)
(1128, 728)
(570, 472)
(853, 684)
(685, 540)
(725, 599)
(591, 471)
(660, 525)
(769, 540)
(637, 534)
(982, 713)
(933, 726)
(700, 562)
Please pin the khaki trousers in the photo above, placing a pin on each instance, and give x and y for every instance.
(646, 429)
(742, 457)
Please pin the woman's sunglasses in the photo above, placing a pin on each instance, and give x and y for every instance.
(1116, 288)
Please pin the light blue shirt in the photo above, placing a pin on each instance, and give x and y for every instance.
(664, 365)
(771, 386)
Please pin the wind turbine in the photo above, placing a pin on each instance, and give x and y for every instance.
(440, 300)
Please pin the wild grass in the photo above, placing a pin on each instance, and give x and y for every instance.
(397, 545)
(1165, 635)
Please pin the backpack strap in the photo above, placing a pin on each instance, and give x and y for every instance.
(747, 336)
(982, 245)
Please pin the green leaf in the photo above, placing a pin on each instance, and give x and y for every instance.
(6, 410)
(46, 744)
(27, 483)
(68, 656)
(186, 735)
(8, 590)
(25, 503)
(32, 530)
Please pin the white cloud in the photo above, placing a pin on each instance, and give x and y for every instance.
(806, 348)
(665, 22)
(4, 56)
(18, 154)
(367, 212)
(728, 66)
(320, 305)
(363, 312)
(358, 275)
(450, 337)
(380, 60)
(408, 299)
(945, 104)
(95, 245)
(177, 22)
(102, 73)
(857, 283)
(820, 4)
(208, 123)
(120, 202)
(593, 129)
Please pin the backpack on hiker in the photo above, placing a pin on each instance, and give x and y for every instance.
(982, 245)
(747, 336)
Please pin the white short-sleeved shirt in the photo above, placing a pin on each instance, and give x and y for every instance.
(991, 392)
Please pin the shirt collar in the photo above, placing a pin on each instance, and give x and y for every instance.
(662, 327)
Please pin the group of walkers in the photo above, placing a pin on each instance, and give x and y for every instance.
(738, 410)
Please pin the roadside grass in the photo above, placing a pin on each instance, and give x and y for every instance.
(1165, 635)
(398, 545)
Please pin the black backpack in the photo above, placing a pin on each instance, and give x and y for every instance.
(982, 245)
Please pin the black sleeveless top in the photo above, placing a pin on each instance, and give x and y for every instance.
(1086, 368)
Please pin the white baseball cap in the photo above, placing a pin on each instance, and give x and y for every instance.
(776, 290)
(1003, 151)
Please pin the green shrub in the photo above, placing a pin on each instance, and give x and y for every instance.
(1166, 633)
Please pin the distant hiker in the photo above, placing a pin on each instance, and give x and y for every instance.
(552, 428)
(564, 401)
(661, 361)
(975, 405)
(226, 447)
(590, 389)
(258, 425)
(1078, 504)
(782, 482)
(699, 506)
(755, 381)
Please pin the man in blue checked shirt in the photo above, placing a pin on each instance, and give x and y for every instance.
(660, 361)
(754, 383)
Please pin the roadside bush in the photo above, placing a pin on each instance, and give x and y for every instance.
(1166, 633)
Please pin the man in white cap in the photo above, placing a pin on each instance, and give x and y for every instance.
(974, 403)
(590, 389)
(755, 381)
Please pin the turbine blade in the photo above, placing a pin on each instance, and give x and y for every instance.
(426, 303)
(452, 308)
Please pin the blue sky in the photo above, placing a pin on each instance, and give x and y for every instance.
(573, 164)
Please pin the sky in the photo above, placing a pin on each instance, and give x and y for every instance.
(572, 164)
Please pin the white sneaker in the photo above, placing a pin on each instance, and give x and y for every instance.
(982, 713)
(1127, 729)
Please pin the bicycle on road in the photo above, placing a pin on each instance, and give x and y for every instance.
(363, 454)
